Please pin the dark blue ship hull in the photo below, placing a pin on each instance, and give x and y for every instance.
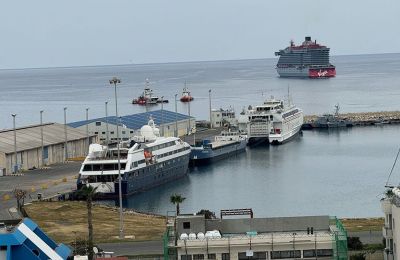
(209, 155)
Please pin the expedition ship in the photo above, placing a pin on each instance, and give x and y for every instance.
(146, 161)
(308, 60)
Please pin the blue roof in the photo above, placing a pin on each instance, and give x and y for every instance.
(136, 121)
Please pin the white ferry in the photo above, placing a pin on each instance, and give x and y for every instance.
(146, 161)
(274, 121)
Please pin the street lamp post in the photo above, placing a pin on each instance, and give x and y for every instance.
(108, 139)
(87, 128)
(176, 117)
(162, 116)
(209, 105)
(41, 135)
(114, 81)
(190, 129)
(15, 145)
(65, 133)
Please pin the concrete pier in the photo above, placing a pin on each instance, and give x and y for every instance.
(365, 118)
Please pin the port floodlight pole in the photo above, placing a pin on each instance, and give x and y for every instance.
(15, 145)
(209, 105)
(41, 135)
(65, 133)
(190, 129)
(176, 116)
(107, 136)
(87, 128)
(114, 81)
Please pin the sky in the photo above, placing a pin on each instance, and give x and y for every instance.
(48, 33)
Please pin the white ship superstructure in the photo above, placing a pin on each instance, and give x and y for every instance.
(146, 161)
(273, 120)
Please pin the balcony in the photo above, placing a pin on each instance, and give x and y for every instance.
(387, 232)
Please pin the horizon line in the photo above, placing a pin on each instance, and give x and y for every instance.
(171, 62)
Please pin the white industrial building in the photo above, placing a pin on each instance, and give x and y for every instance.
(29, 146)
(221, 117)
(391, 208)
(313, 237)
(169, 123)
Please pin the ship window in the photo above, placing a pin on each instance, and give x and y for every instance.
(198, 257)
(112, 132)
(103, 133)
(96, 167)
(108, 167)
(123, 132)
(308, 253)
(96, 133)
(186, 225)
(87, 167)
(324, 252)
(98, 123)
(131, 132)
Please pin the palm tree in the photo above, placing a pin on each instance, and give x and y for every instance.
(88, 192)
(177, 199)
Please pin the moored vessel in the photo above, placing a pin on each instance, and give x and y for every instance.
(329, 121)
(146, 161)
(223, 145)
(274, 121)
(308, 60)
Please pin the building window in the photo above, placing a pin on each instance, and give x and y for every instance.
(131, 132)
(103, 133)
(285, 254)
(225, 256)
(324, 252)
(123, 132)
(98, 123)
(308, 253)
(96, 133)
(212, 256)
(198, 257)
(186, 257)
(186, 225)
(112, 132)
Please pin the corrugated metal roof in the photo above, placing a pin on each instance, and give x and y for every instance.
(29, 137)
(136, 121)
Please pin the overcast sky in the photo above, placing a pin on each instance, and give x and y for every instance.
(78, 33)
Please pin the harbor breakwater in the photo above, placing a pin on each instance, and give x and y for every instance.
(364, 118)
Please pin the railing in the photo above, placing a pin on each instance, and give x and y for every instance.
(387, 232)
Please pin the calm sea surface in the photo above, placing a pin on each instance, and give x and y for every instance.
(337, 172)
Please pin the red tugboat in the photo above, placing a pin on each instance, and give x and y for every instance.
(147, 97)
(308, 60)
(186, 97)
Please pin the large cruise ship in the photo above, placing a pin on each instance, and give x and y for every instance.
(308, 60)
(274, 121)
(146, 161)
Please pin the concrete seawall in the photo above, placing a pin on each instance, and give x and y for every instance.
(365, 118)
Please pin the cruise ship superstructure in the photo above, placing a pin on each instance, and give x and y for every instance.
(308, 60)
(146, 161)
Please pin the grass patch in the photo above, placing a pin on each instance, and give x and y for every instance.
(363, 224)
(62, 220)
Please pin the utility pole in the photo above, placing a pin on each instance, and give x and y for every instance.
(41, 135)
(15, 170)
(65, 133)
(114, 82)
(107, 134)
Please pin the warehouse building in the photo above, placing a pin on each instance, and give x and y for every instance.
(168, 122)
(29, 146)
(310, 237)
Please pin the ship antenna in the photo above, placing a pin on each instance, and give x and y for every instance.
(391, 171)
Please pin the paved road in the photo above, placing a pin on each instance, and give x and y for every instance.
(134, 248)
(46, 181)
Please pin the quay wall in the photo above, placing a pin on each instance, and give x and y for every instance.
(365, 118)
